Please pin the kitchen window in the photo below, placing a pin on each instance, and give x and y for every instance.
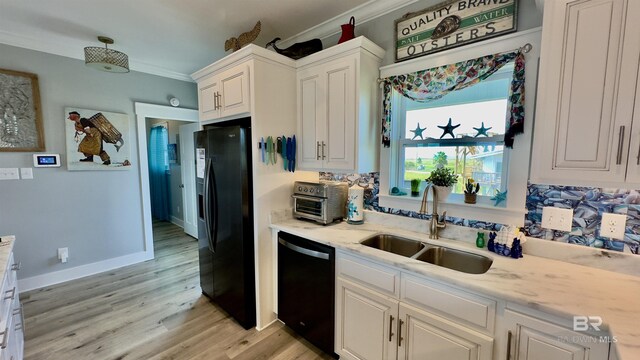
(484, 158)
(476, 149)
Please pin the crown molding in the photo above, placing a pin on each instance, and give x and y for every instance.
(366, 12)
(74, 49)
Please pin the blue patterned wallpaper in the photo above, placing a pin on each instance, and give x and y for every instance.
(588, 205)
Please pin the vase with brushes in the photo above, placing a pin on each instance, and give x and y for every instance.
(471, 189)
(442, 179)
(415, 187)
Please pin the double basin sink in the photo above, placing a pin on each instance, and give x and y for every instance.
(458, 260)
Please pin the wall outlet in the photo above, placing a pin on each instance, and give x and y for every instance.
(557, 218)
(613, 225)
(63, 254)
(9, 174)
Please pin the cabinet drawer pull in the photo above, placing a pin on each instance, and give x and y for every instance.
(5, 338)
(400, 322)
(620, 143)
(323, 156)
(390, 327)
(16, 267)
(509, 336)
(318, 150)
(13, 294)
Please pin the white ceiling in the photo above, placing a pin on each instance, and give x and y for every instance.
(173, 38)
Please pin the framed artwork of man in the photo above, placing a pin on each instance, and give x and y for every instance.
(97, 140)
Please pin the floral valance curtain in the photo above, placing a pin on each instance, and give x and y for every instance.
(432, 84)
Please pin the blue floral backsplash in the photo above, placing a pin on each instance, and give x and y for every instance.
(588, 204)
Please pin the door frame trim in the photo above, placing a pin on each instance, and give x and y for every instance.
(143, 112)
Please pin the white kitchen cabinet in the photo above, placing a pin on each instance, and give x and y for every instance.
(425, 336)
(224, 94)
(11, 317)
(530, 338)
(337, 108)
(373, 321)
(586, 94)
(365, 326)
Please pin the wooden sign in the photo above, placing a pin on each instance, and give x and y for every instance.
(452, 24)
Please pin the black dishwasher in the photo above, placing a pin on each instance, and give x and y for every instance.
(306, 291)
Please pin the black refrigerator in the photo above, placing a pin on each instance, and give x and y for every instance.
(225, 219)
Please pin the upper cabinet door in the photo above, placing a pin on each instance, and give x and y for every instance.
(208, 90)
(581, 133)
(339, 150)
(311, 95)
(234, 85)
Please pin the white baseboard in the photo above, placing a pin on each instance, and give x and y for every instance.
(56, 277)
(176, 221)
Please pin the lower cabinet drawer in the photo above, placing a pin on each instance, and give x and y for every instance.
(463, 307)
(378, 277)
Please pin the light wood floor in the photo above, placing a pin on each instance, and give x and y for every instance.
(152, 310)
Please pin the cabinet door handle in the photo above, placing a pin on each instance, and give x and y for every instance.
(323, 156)
(638, 157)
(19, 326)
(390, 327)
(509, 336)
(215, 101)
(400, 322)
(219, 100)
(620, 143)
(16, 267)
(318, 150)
(5, 338)
(13, 294)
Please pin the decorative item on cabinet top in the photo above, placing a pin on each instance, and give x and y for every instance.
(235, 43)
(348, 30)
(283, 146)
(297, 50)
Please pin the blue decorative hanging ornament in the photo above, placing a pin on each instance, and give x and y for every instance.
(499, 197)
(448, 129)
(418, 132)
(482, 130)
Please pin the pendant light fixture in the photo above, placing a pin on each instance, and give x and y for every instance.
(106, 59)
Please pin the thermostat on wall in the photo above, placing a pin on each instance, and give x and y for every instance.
(46, 160)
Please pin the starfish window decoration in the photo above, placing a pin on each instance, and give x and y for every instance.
(482, 130)
(418, 132)
(448, 129)
(500, 197)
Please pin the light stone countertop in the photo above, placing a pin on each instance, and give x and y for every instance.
(555, 287)
(6, 246)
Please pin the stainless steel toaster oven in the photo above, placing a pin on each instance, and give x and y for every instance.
(323, 202)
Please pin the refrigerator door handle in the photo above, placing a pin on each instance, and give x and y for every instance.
(214, 243)
(207, 204)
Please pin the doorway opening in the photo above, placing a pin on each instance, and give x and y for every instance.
(180, 124)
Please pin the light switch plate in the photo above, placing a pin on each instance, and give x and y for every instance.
(557, 218)
(613, 226)
(9, 174)
(26, 173)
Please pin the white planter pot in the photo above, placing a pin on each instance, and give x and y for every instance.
(443, 192)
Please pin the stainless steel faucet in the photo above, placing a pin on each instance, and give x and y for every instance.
(435, 223)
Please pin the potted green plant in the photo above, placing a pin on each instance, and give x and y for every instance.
(415, 187)
(471, 188)
(443, 179)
